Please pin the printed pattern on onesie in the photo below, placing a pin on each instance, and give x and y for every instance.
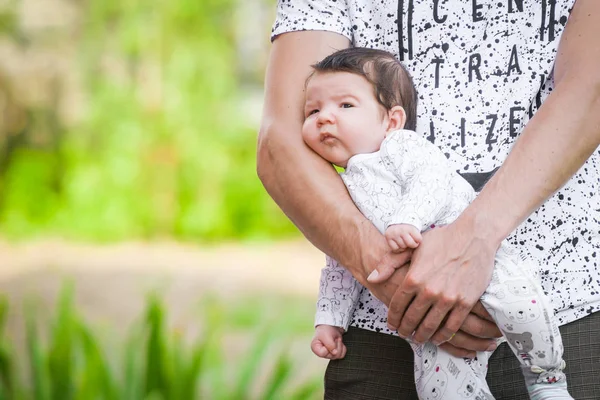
(338, 295)
(516, 301)
(407, 181)
(438, 375)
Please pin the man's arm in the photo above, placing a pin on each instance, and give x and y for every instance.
(452, 267)
(308, 189)
(304, 185)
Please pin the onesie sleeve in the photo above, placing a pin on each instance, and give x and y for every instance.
(424, 175)
(338, 295)
(312, 15)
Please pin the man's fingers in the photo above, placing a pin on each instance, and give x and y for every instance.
(467, 343)
(475, 325)
(400, 301)
(433, 320)
(455, 320)
(388, 265)
(479, 310)
(457, 351)
(413, 316)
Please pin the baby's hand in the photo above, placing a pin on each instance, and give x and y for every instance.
(327, 342)
(402, 236)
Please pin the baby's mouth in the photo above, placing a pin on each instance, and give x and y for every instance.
(327, 138)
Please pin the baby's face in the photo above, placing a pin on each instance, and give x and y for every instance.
(342, 117)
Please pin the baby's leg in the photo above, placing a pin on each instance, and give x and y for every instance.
(439, 375)
(517, 303)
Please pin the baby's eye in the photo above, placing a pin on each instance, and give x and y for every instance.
(347, 105)
(311, 112)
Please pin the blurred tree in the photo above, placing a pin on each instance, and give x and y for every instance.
(139, 128)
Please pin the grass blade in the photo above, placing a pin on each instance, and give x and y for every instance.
(7, 384)
(280, 374)
(96, 378)
(249, 368)
(156, 359)
(37, 362)
(61, 353)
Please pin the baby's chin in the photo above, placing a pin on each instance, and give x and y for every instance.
(341, 164)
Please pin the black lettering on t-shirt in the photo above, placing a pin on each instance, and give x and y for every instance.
(513, 63)
(400, 29)
(436, 16)
(552, 20)
(477, 15)
(409, 26)
(474, 63)
(543, 26)
(518, 3)
(462, 132)
(489, 140)
(514, 122)
(437, 62)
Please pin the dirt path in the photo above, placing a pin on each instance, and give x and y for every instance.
(112, 280)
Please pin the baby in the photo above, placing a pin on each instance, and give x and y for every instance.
(358, 103)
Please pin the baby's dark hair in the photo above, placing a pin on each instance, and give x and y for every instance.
(391, 82)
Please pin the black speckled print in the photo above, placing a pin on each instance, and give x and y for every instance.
(482, 69)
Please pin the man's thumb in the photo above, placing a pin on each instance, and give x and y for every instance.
(380, 274)
(387, 266)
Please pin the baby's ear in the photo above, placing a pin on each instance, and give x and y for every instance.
(396, 118)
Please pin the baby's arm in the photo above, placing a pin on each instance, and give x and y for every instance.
(338, 295)
(425, 176)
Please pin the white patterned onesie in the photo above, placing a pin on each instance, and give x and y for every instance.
(410, 181)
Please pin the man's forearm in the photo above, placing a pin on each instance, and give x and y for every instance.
(312, 195)
(556, 142)
(304, 185)
(553, 146)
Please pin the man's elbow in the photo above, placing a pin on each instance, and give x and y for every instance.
(264, 155)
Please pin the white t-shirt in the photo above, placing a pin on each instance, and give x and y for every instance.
(482, 68)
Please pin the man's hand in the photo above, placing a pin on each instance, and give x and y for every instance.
(448, 274)
(475, 334)
(402, 236)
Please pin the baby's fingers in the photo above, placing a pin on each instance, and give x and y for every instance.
(410, 241)
(319, 349)
(340, 349)
(397, 244)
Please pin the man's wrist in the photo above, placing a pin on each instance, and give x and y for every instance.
(483, 225)
(372, 246)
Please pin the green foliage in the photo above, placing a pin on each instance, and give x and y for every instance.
(162, 149)
(156, 363)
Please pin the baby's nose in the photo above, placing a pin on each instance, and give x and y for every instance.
(326, 116)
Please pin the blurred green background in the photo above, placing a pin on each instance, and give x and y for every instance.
(127, 167)
(133, 119)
